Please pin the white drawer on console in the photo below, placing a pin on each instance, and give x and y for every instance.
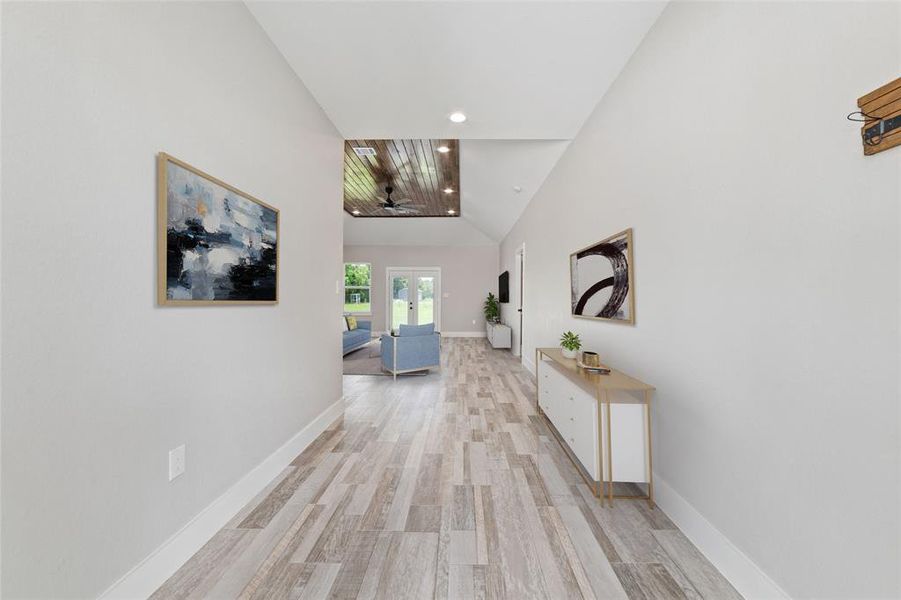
(574, 414)
(629, 442)
(585, 432)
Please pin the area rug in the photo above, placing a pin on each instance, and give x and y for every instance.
(368, 361)
(365, 361)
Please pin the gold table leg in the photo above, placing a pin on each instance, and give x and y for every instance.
(599, 492)
(647, 404)
(609, 455)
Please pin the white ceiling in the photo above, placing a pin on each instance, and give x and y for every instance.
(528, 71)
(490, 169)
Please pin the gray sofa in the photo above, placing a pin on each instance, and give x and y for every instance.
(357, 338)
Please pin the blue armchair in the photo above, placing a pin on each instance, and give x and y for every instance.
(356, 338)
(414, 348)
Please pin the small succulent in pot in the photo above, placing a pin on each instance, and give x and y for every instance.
(571, 344)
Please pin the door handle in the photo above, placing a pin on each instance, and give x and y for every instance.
(519, 310)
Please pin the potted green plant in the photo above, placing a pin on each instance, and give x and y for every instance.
(571, 344)
(492, 309)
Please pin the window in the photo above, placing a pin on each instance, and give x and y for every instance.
(357, 287)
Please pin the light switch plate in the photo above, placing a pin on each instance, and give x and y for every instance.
(176, 462)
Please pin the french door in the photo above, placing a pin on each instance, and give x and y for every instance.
(414, 297)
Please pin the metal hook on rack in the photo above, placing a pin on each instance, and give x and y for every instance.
(872, 136)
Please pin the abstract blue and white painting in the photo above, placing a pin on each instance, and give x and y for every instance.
(221, 245)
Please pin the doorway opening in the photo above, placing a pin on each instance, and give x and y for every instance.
(519, 286)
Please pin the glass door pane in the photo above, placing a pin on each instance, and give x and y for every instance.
(425, 299)
(400, 301)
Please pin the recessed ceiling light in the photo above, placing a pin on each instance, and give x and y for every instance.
(448, 190)
(517, 188)
(356, 212)
(443, 149)
(451, 211)
(457, 117)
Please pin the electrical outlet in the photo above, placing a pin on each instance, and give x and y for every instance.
(176, 462)
(473, 321)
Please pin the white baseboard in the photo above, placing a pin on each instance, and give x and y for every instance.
(154, 570)
(528, 364)
(467, 334)
(744, 575)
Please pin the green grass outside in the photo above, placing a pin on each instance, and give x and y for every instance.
(426, 311)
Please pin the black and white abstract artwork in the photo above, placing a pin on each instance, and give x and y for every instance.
(221, 245)
(601, 280)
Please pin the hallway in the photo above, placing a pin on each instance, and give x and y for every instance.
(445, 486)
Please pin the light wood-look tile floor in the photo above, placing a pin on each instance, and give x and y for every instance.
(443, 486)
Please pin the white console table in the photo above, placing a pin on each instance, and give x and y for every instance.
(602, 421)
(499, 336)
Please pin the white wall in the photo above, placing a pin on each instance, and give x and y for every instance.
(98, 382)
(468, 273)
(767, 272)
(418, 231)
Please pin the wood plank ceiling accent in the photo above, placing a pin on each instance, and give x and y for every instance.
(417, 171)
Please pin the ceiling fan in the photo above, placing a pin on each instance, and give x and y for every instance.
(398, 206)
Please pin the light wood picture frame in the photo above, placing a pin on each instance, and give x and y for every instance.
(602, 280)
(216, 245)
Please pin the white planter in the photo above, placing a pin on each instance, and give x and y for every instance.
(499, 336)
(570, 353)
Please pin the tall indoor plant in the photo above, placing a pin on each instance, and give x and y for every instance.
(492, 309)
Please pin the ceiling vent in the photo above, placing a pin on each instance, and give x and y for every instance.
(364, 151)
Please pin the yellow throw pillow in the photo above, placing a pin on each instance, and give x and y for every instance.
(351, 323)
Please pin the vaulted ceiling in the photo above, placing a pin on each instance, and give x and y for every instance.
(527, 75)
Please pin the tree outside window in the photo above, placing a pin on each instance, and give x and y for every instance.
(357, 287)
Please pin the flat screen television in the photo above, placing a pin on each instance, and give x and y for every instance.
(503, 287)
